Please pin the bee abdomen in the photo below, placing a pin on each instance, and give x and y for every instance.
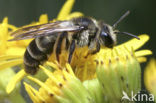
(31, 69)
(46, 43)
(30, 64)
(37, 52)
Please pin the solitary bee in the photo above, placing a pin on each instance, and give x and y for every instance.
(77, 33)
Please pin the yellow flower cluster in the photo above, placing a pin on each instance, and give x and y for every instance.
(112, 79)
(51, 88)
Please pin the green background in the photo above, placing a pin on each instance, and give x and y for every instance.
(142, 18)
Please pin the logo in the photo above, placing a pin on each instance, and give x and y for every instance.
(141, 97)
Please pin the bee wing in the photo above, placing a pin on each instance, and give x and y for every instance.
(44, 29)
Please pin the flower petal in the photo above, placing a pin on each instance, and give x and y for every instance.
(41, 84)
(32, 95)
(43, 19)
(15, 80)
(136, 43)
(6, 57)
(11, 63)
(12, 27)
(150, 77)
(142, 59)
(143, 53)
(73, 15)
(49, 74)
(15, 51)
(65, 10)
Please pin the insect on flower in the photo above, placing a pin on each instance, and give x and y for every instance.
(75, 33)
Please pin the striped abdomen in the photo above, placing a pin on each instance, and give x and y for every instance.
(37, 52)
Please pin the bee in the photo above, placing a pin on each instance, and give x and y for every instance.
(77, 33)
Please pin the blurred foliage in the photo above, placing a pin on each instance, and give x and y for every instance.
(15, 96)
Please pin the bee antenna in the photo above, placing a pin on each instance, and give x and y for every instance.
(121, 18)
(128, 34)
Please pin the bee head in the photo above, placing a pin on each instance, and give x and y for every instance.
(108, 33)
(107, 36)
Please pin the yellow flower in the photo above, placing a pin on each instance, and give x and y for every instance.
(61, 86)
(84, 68)
(123, 73)
(13, 50)
(150, 77)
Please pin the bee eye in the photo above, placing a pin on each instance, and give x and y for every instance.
(104, 34)
(106, 39)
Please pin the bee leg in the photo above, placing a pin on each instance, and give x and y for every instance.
(59, 43)
(95, 50)
(71, 50)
